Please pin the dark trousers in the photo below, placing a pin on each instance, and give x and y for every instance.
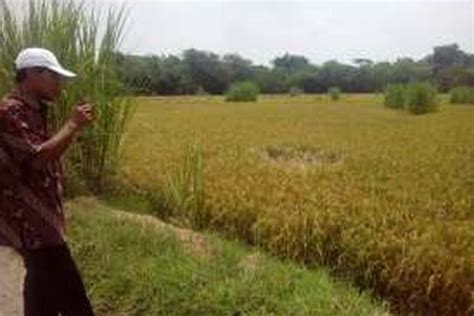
(53, 284)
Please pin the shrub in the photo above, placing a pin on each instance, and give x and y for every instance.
(334, 93)
(420, 98)
(462, 95)
(201, 91)
(394, 96)
(295, 91)
(242, 92)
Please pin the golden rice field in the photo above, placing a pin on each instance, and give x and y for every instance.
(382, 197)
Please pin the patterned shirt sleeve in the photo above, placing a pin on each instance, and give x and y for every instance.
(15, 136)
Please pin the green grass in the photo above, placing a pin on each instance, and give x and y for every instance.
(138, 269)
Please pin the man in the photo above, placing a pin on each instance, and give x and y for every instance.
(31, 186)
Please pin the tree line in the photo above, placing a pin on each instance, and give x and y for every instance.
(202, 72)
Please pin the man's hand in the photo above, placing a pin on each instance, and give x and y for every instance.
(82, 115)
(54, 147)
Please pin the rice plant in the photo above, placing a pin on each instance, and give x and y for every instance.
(384, 199)
(183, 193)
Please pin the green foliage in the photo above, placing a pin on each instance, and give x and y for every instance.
(417, 98)
(420, 98)
(271, 80)
(183, 193)
(206, 70)
(72, 31)
(291, 64)
(242, 92)
(394, 96)
(448, 67)
(462, 95)
(201, 92)
(334, 93)
(134, 265)
(295, 91)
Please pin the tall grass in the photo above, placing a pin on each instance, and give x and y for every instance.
(246, 91)
(462, 95)
(85, 41)
(334, 93)
(415, 97)
(421, 98)
(394, 96)
(182, 196)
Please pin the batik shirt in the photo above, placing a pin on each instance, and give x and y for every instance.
(31, 210)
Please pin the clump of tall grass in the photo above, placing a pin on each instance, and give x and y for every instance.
(242, 92)
(85, 41)
(416, 97)
(296, 91)
(201, 92)
(182, 196)
(462, 95)
(334, 93)
(395, 96)
(420, 98)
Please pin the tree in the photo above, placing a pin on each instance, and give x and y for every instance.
(448, 55)
(364, 78)
(406, 70)
(206, 70)
(174, 79)
(447, 67)
(336, 74)
(448, 62)
(291, 63)
(238, 68)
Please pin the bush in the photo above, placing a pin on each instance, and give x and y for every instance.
(295, 91)
(200, 91)
(394, 96)
(462, 95)
(420, 98)
(334, 93)
(242, 92)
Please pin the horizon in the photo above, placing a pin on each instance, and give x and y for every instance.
(352, 63)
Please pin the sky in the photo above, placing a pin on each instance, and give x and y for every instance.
(320, 30)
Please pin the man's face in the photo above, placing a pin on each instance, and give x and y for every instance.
(46, 83)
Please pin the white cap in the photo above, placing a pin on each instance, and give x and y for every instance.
(40, 57)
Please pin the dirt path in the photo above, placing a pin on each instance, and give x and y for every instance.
(12, 274)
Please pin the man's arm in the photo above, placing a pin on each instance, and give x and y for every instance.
(53, 148)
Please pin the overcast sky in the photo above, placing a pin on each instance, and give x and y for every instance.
(320, 30)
